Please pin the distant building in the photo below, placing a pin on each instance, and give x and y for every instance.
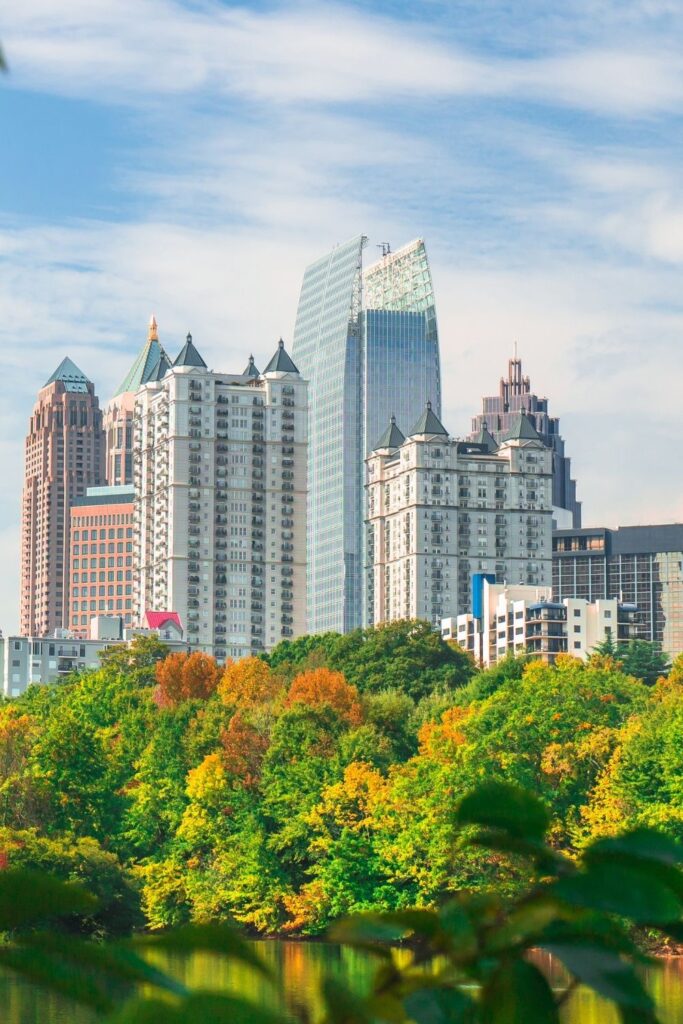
(220, 502)
(367, 342)
(521, 619)
(441, 509)
(27, 661)
(101, 567)
(151, 361)
(499, 411)
(641, 565)
(64, 455)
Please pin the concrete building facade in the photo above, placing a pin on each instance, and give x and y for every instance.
(101, 557)
(64, 455)
(526, 620)
(441, 509)
(220, 502)
(641, 565)
(499, 412)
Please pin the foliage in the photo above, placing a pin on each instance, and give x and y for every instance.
(468, 958)
(639, 658)
(183, 676)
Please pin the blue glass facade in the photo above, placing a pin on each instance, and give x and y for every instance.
(328, 352)
(363, 366)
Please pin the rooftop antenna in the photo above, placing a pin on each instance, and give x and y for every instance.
(385, 247)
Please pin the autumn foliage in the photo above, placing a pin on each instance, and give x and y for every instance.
(182, 677)
(321, 686)
(247, 683)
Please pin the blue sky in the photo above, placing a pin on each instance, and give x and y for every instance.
(189, 159)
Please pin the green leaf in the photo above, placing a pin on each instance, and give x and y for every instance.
(50, 973)
(28, 897)
(342, 1005)
(621, 889)
(604, 971)
(209, 1008)
(457, 926)
(114, 962)
(503, 806)
(146, 1011)
(547, 860)
(440, 1005)
(517, 993)
(209, 938)
(367, 931)
(640, 844)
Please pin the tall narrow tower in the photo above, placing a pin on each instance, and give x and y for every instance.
(64, 455)
(367, 342)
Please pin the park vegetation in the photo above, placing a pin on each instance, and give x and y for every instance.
(283, 793)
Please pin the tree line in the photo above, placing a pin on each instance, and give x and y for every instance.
(285, 792)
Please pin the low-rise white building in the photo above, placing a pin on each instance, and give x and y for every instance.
(523, 619)
(439, 510)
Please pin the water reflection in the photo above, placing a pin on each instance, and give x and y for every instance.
(302, 966)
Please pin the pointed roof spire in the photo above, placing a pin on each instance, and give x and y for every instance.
(188, 355)
(146, 362)
(281, 362)
(70, 376)
(160, 370)
(486, 438)
(391, 438)
(428, 423)
(251, 370)
(522, 429)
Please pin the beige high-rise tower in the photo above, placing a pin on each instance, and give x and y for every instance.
(64, 455)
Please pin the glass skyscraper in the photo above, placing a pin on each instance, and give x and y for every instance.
(368, 345)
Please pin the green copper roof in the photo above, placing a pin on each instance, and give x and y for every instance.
(281, 362)
(188, 355)
(522, 429)
(429, 423)
(70, 376)
(392, 436)
(486, 438)
(147, 361)
(162, 367)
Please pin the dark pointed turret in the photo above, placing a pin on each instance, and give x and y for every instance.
(522, 429)
(251, 370)
(160, 369)
(486, 438)
(188, 355)
(391, 438)
(428, 423)
(281, 362)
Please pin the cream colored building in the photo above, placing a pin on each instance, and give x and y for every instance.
(522, 619)
(220, 502)
(439, 510)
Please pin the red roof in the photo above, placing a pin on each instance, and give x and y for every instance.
(155, 620)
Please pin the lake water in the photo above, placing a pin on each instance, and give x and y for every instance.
(302, 965)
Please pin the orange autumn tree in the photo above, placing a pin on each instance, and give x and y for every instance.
(244, 747)
(321, 686)
(247, 683)
(183, 677)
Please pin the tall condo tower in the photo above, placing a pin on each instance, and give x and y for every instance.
(64, 455)
(499, 413)
(220, 502)
(368, 344)
(118, 412)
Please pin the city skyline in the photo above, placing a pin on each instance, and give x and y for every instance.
(541, 167)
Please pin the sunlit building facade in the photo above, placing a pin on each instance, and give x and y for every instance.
(367, 342)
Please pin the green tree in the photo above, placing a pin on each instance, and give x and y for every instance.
(640, 658)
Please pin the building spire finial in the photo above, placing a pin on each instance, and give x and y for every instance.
(152, 334)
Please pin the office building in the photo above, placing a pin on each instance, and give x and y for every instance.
(220, 502)
(118, 412)
(367, 343)
(526, 620)
(441, 509)
(64, 455)
(641, 565)
(498, 413)
(101, 550)
(27, 661)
